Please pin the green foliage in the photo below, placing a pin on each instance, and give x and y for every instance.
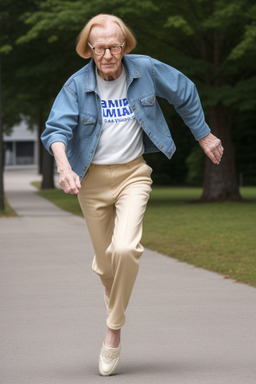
(247, 44)
(193, 35)
(180, 23)
(5, 49)
(211, 41)
(54, 16)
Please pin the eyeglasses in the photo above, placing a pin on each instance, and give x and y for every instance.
(100, 51)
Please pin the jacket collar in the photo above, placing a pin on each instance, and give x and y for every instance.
(91, 83)
(132, 72)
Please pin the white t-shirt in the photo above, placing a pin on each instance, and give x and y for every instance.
(121, 139)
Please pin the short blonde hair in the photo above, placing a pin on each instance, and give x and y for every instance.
(82, 47)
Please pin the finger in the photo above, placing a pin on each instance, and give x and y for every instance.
(64, 184)
(69, 182)
(73, 187)
(68, 185)
(75, 184)
(78, 184)
(210, 153)
(219, 152)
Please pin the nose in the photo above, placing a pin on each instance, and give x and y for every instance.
(107, 54)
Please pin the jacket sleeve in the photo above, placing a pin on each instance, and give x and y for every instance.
(63, 118)
(181, 92)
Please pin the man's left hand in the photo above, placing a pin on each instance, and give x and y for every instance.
(212, 147)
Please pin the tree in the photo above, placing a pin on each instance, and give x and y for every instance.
(211, 41)
(1, 145)
(22, 92)
(214, 42)
(36, 65)
(28, 76)
(245, 140)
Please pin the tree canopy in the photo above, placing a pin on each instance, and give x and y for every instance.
(211, 41)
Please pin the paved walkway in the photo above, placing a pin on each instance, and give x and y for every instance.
(184, 325)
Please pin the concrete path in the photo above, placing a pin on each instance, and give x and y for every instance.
(184, 325)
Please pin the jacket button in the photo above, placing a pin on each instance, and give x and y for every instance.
(84, 169)
(84, 121)
(133, 108)
(149, 133)
(97, 134)
(161, 146)
(141, 122)
(152, 101)
(100, 121)
(91, 150)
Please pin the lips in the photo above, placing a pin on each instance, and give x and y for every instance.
(108, 64)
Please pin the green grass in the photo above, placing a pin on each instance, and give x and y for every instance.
(215, 236)
(8, 211)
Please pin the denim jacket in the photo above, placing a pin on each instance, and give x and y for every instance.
(75, 118)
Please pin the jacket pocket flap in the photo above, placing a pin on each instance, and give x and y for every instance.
(86, 119)
(148, 100)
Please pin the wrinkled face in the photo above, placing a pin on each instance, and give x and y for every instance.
(109, 66)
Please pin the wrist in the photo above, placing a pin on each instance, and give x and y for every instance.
(62, 168)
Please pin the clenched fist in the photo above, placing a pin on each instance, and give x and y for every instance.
(212, 148)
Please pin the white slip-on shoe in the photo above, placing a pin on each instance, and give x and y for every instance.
(106, 300)
(109, 360)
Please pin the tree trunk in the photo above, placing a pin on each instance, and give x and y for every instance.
(1, 169)
(1, 148)
(220, 181)
(46, 161)
(39, 143)
(48, 171)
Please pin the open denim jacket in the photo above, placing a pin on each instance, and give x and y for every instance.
(75, 118)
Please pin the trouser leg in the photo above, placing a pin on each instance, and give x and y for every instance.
(125, 249)
(113, 200)
(99, 216)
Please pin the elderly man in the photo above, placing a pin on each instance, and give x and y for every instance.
(104, 119)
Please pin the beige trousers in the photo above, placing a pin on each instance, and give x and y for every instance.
(113, 199)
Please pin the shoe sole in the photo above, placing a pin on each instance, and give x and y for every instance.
(103, 373)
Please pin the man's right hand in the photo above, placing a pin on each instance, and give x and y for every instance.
(69, 181)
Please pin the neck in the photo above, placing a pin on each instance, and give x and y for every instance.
(110, 77)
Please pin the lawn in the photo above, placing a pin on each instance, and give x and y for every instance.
(217, 236)
(8, 211)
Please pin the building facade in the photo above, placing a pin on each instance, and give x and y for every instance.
(21, 146)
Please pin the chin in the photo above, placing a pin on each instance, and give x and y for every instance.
(110, 72)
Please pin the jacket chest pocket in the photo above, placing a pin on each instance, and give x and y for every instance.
(86, 125)
(149, 106)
